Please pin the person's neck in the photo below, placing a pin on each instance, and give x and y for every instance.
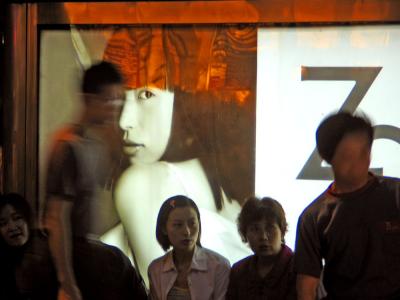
(344, 187)
(182, 259)
(265, 264)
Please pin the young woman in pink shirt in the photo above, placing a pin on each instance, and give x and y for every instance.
(188, 271)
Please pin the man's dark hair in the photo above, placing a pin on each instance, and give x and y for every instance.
(99, 75)
(333, 128)
(256, 209)
(166, 208)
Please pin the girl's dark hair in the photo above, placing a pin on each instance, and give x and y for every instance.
(20, 204)
(166, 208)
(255, 210)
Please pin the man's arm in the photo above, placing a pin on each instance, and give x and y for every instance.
(306, 286)
(58, 224)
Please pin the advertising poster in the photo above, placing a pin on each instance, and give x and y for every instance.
(187, 125)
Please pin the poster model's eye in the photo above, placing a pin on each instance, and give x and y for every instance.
(145, 94)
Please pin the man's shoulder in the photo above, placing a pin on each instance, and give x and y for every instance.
(64, 138)
(67, 133)
(391, 187)
(388, 181)
(314, 207)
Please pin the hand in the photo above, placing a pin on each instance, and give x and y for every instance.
(70, 293)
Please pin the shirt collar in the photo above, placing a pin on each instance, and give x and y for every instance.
(372, 181)
(278, 270)
(199, 261)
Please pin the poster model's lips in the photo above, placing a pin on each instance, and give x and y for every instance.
(131, 148)
(133, 144)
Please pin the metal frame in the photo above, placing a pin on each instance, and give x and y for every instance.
(236, 11)
(15, 100)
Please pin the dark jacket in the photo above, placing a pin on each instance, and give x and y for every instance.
(279, 284)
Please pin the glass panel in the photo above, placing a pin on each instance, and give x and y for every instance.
(204, 139)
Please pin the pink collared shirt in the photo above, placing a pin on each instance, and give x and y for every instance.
(208, 275)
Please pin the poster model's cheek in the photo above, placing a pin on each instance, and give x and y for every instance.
(129, 123)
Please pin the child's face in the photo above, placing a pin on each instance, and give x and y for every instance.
(183, 228)
(264, 237)
(13, 227)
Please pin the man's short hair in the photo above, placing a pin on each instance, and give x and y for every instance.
(256, 209)
(333, 128)
(99, 75)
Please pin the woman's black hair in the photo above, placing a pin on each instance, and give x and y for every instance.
(221, 134)
(256, 209)
(166, 208)
(193, 136)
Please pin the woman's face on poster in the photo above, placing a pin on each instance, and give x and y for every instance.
(146, 120)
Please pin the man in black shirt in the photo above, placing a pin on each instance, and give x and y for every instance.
(80, 166)
(354, 226)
